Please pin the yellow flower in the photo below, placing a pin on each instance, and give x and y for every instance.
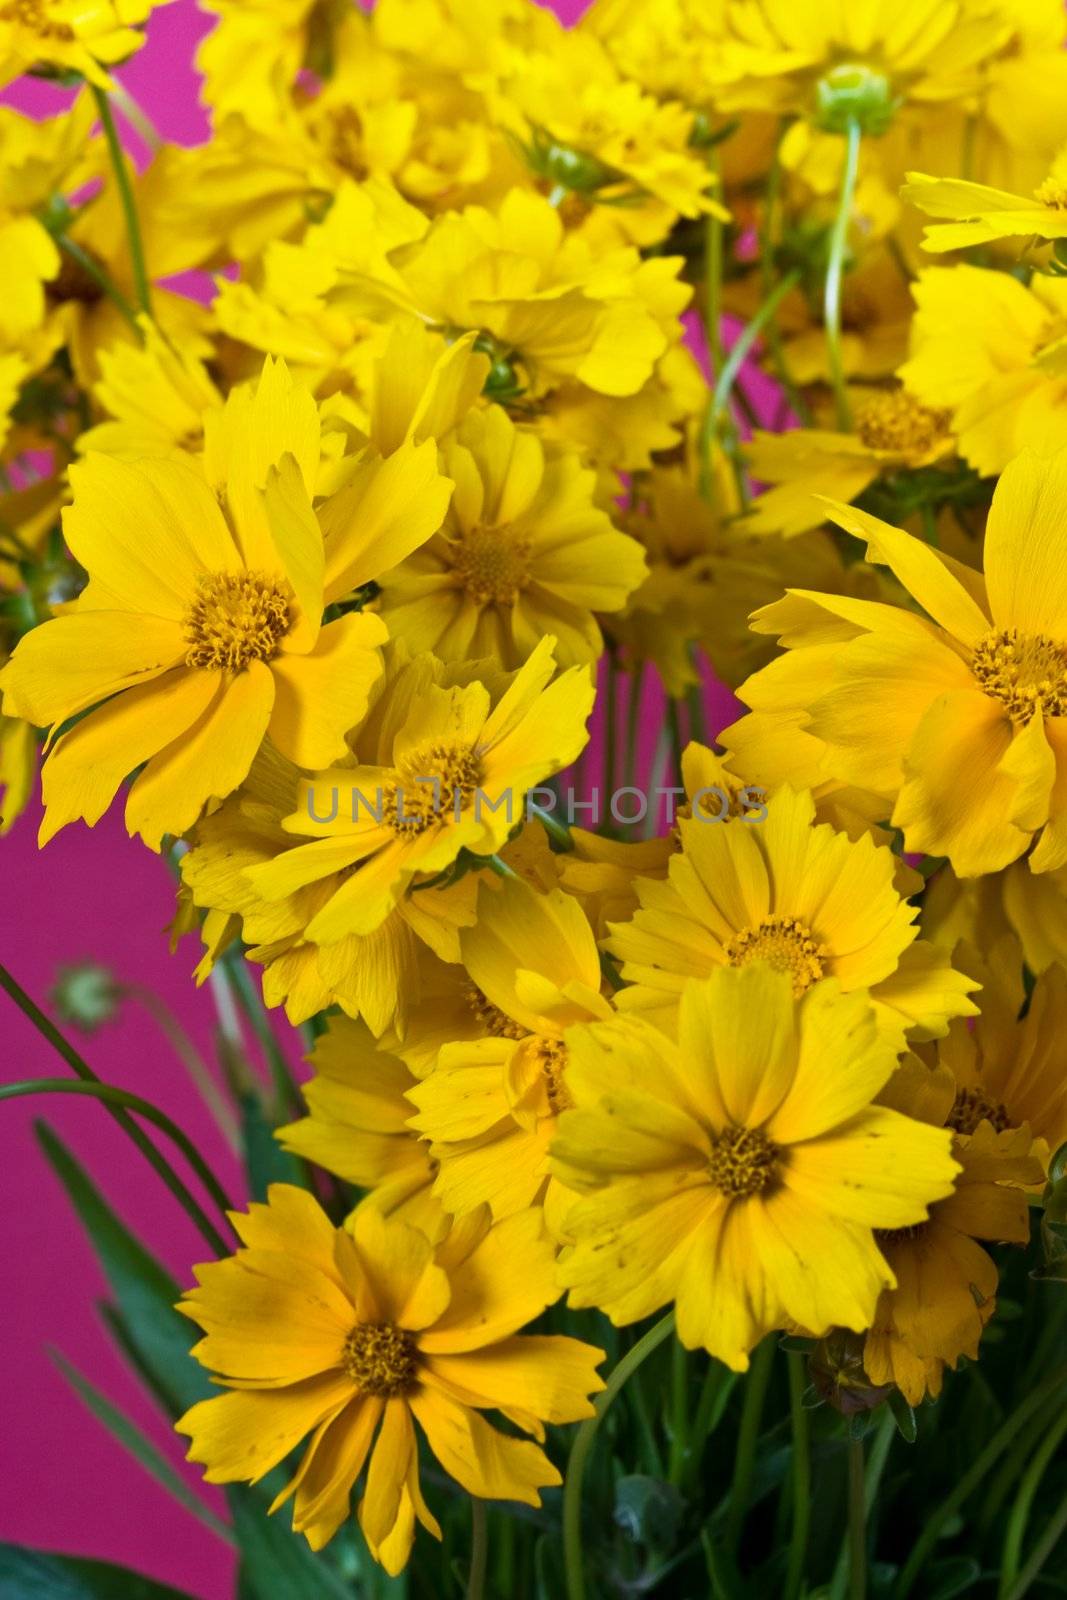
(523, 552)
(957, 719)
(157, 394)
(894, 432)
(490, 1105)
(977, 214)
(994, 353)
(740, 1172)
(454, 758)
(352, 1337)
(945, 1283)
(187, 660)
(18, 769)
(358, 1126)
(1032, 907)
(69, 36)
(809, 900)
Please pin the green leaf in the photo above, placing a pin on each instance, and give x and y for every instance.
(265, 1160)
(141, 1448)
(144, 1291)
(648, 1510)
(952, 1577)
(277, 1564)
(37, 1575)
(903, 1416)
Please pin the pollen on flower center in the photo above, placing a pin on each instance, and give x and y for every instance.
(491, 566)
(431, 784)
(552, 1059)
(1053, 192)
(786, 944)
(236, 618)
(34, 14)
(1027, 673)
(742, 1161)
(496, 1023)
(894, 420)
(973, 1106)
(380, 1358)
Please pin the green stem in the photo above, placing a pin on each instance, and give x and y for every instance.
(190, 1058)
(1054, 1531)
(835, 272)
(719, 1385)
(975, 1474)
(129, 208)
(679, 1396)
(583, 1444)
(872, 1478)
(611, 720)
(114, 1098)
(767, 245)
(479, 1549)
(557, 831)
(103, 282)
(1024, 1499)
(759, 1376)
(857, 1523)
(251, 1006)
(801, 1476)
(501, 868)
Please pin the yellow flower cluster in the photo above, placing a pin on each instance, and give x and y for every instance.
(328, 576)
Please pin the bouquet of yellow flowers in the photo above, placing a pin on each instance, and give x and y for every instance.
(677, 1203)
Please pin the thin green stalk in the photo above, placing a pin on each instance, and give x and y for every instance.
(190, 1058)
(557, 831)
(800, 1476)
(835, 272)
(583, 1444)
(633, 724)
(857, 1523)
(1054, 1531)
(713, 263)
(679, 1415)
(872, 1478)
(129, 208)
(678, 739)
(767, 244)
(611, 723)
(501, 868)
(1024, 1499)
(719, 1385)
(975, 1474)
(109, 1096)
(479, 1550)
(103, 282)
(251, 1006)
(136, 117)
(759, 1376)
(81, 1068)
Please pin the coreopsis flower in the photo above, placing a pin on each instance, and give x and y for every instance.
(66, 36)
(357, 1126)
(156, 395)
(955, 716)
(876, 315)
(257, 49)
(353, 1337)
(200, 631)
(989, 350)
(454, 755)
(797, 894)
(740, 1172)
(18, 769)
(969, 214)
(945, 1283)
(893, 432)
(524, 551)
(491, 1104)
(1030, 907)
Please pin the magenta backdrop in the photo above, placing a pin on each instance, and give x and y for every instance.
(105, 898)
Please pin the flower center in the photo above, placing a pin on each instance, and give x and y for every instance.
(973, 1106)
(1053, 192)
(73, 282)
(431, 784)
(786, 944)
(237, 617)
(742, 1161)
(492, 567)
(1027, 673)
(552, 1059)
(497, 1023)
(34, 14)
(380, 1358)
(894, 420)
(346, 141)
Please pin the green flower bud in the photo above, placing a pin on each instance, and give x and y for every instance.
(86, 994)
(854, 93)
(573, 169)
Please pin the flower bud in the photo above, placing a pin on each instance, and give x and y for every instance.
(854, 93)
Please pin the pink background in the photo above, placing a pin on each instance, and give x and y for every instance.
(106, 899)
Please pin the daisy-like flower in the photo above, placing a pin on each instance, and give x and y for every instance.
(357, 1126)
(993, 353)
(893, 432)
(740, 1172)
(797, 894)
(455, 755)
(70, 36)
(524, 551)
(200, 631)
(490, 1105)
(957, 717)
(946, 1284)
(156, 394)
(352, 1337)
(971, 214)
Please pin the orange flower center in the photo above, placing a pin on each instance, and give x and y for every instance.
(380, 1358)
(786, 944)
(492, 567)
(1053, 192)
(35, 15)
(1027, 673)
(552, 1059)
(742, 1161)
(895, 421)
(236, 618)
(496, 1023)
(432, 784)
(973, 1106)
